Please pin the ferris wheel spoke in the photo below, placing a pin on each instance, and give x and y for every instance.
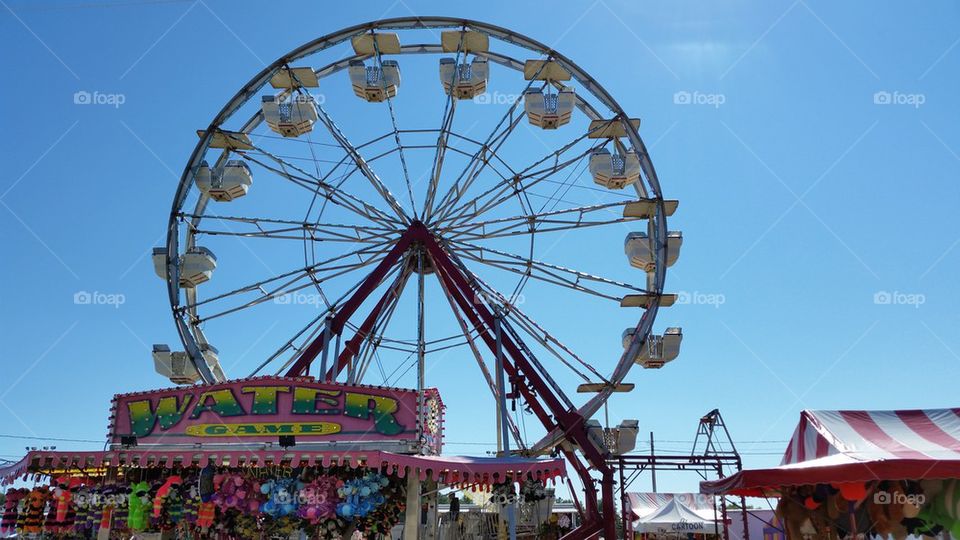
(477, 163)
(309, 232)
(341, 230)
(513, 187)
(439, 155)
(332, 193)
(538, 333)
(362, 164)
(315, 272)
(529, 224)
(445, 125)
(527, 172)
(396, 134)
(528, 266)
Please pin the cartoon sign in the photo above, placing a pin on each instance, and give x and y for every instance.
(261, 410)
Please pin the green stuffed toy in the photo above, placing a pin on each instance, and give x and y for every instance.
(139, 506)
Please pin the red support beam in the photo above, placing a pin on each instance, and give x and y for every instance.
(302, 366)
(570, 421)
(351, 348)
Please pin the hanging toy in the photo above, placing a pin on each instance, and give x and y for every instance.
(361, 496)
(280, 496)
(191, 501)
(36, 501)
(8, 523)
(172, 483)
(852, 491)
(139, 504)
(318, 499)
(206, 513)
(82, 507)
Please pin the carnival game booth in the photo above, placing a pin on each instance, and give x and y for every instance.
(863, 472)
(270, 457)
(664, 515)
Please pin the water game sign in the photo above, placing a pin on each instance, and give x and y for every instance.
(261, 410)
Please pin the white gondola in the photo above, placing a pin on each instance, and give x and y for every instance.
(466, 81)
(656, 350)
(160, 262)
(641, 254)
(613, 170)
(290, 117)
(175, 366)
(212, 357)
(225, 183)
(373, 83)
(196, 266)
(550, 110)
(624, 437)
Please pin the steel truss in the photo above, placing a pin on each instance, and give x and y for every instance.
(708, 456)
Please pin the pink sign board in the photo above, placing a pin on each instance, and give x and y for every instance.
(262, 409)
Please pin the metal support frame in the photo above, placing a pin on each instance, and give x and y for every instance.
(707, 456)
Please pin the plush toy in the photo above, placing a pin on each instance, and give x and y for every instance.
(114, 509)
(36, 501)
(9, 521)
(206, 513)
(168, 503)
(172, 484)
(794, 516)
(139, 506)
(361, 495)
(190, 492)
(318, 499)
(280, 495)
(234, 491)
(83, 501)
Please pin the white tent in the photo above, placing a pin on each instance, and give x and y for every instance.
(674, 518)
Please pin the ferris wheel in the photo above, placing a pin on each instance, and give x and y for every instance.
(383, 220)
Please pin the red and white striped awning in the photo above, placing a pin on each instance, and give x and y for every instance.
(858, 446)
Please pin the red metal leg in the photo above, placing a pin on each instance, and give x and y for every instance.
(302, 365)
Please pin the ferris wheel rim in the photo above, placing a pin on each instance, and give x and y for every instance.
(253, 86)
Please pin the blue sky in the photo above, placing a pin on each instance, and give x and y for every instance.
(812, 145)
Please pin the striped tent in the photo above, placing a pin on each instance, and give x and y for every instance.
(857, 446)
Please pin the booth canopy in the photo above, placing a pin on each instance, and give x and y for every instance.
(444, 469)
(675, 518)
(857, 446)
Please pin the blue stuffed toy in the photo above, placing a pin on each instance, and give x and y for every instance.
(361, 496)
(281, 497)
